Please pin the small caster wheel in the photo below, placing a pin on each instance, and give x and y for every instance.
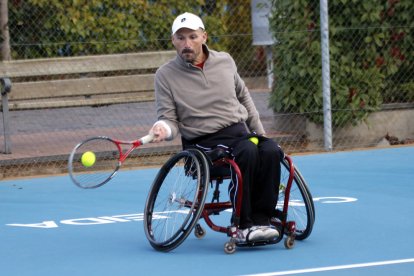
(199, 231)
(289, 242)
(229, 247)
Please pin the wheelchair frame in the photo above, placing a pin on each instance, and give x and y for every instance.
(185, 178)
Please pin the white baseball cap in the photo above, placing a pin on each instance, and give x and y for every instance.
(187, 20)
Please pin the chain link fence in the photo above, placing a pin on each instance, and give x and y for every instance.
(371, 73)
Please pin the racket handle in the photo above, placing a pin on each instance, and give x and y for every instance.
(147, 138)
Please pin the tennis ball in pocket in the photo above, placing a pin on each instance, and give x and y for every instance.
(254, 140)
(88, 159)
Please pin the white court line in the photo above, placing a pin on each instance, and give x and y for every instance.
(330, 268)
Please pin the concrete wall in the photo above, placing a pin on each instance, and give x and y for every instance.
(394, 121)
(371, 132)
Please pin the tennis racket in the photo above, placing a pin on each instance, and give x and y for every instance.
(96, 160)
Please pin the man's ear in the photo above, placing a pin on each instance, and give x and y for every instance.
(172, 40)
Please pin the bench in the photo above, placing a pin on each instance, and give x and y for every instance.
(82, 81)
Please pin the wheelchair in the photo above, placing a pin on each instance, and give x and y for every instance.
(177, 201)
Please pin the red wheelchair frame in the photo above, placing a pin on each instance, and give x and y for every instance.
(201, 168)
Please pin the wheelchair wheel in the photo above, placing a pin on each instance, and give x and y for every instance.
(301, 208)
(302, 180)
(176, 199)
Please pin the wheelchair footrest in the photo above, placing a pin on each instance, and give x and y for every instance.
(257, 243)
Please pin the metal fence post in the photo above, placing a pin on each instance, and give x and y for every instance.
(262, 36)
(326, 79)
(5, 89)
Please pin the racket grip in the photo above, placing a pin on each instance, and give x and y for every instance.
(147, 138)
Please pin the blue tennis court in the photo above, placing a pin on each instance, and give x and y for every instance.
(363, 200)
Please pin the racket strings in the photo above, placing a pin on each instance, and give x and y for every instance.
(101, 168)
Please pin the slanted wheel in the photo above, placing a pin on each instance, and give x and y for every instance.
(176, 199)
(199, 231)
(229, 247)
(301, 209)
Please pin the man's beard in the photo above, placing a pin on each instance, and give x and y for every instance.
(188, 55)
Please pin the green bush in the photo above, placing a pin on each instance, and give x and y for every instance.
(48, 28)
(84, 27)
(369, 57)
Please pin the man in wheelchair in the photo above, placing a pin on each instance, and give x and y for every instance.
(200, 95)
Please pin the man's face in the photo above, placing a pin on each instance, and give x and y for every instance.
(188, 44)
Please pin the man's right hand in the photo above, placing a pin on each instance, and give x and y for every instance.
(160, 132)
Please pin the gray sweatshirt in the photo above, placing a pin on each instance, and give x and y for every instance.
(198, 101)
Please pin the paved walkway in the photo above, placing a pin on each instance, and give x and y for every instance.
(54, 132)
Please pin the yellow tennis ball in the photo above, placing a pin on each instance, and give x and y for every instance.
(254, 140)
(88, 159)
